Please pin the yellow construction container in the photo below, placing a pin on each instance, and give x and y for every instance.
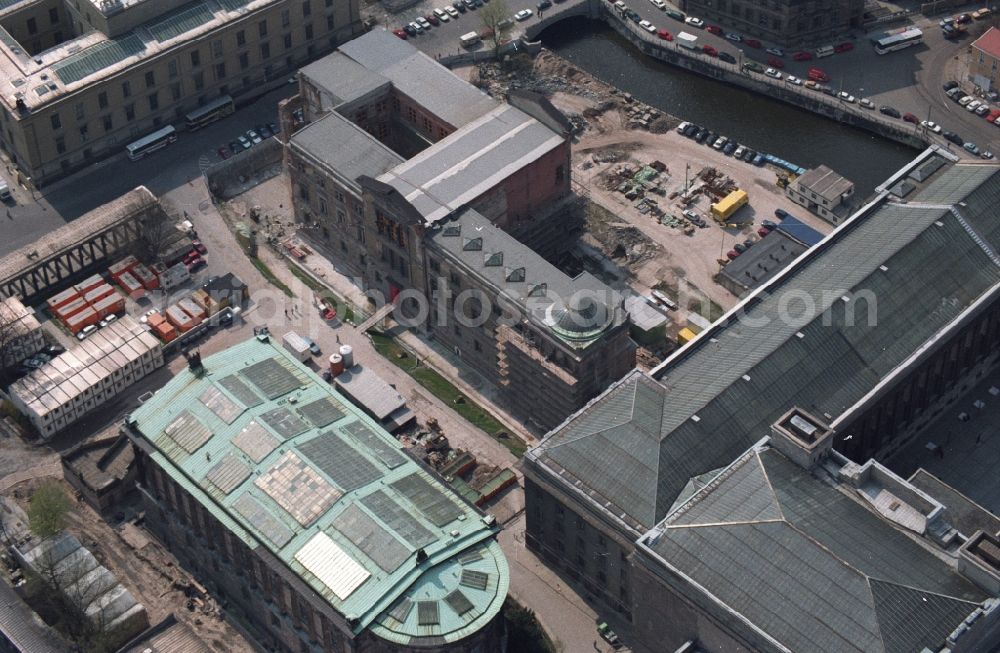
(685, 335)
(729, 204)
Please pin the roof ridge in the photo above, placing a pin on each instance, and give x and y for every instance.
(918, 589)
(633, 376)
(741, 522)
(871, 597)
(770, 485)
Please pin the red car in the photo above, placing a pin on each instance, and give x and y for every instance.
(909, 117)
(732, 254)
(199, 247)
(993, 115)
(191, 256)
(223, 152)
(665, 35)
(818, 75)
(775, 62)
(802, 55)
(753, 43)
(432, 19)
(709, 50)
(196, 264)
(843, 47)
(400, 33)
(328, 314)
(714, 29)
(763, 231)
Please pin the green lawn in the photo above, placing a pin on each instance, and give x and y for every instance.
(273, 280)
(441, 388)
(345, 310)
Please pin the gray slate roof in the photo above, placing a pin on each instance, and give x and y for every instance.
(762, 262)
(471, 161)
(23, 628)
(344, 79)
(807, 564)
(521, 276)
(345, 147)
(637, 446)
(416, 75)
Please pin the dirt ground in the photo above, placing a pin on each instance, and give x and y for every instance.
(643, 252)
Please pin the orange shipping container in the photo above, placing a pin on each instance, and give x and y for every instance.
(148, 280)
(84, 318)
(89, 284)
(192, 308)
(71, 308)
(180, 319)
(165, 331)
(201, 298)
(111, 304)
(155, 319)
(129, 283)
(123, 265)
(98, 293)
(62, 298)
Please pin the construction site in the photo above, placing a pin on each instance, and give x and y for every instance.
(648, 192)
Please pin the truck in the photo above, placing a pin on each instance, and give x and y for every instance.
(469, 40)
(297, 346)
(730, 204)
(689, 41)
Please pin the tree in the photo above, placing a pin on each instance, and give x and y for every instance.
(497, 23)
(47, 512)
(156, 233)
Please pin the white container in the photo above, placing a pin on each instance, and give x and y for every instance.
(347, 353)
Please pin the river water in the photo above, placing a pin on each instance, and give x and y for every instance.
(763, 124)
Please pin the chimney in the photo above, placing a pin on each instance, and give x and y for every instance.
(194, 361)
(802, 437)
(979, 561)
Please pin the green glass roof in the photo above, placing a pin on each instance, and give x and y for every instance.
(98, 57)
(332, 496)
(183, 20)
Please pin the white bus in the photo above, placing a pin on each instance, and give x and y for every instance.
(152, 142)
(214, 110)
(898, 41)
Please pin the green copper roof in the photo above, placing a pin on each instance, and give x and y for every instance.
(286, 463)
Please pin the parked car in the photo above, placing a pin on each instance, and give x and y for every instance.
(720, 142)
(423, 23)
(973, 105)
(196, 264)
(400, 33)
(432, 19)
(846, 97)
(522, 15)
(676, 15)
(442, 15)
(254, 137)
(108, 320)
(711, 138)
(694, 22)
(982, 109)
(843, 47)
(54, 350)
(986, 155)
(740, 151)
(732, 254)
(223, 152)
(728, 58)
(86, 331)
(264, 131)
(965, 101)
(648, 26)
(932, 126)
(740, 247)
(459, 5)
(543, 5)
(778, 52)
(909, 117)
(659, 4)
(453, 11)
(866, 103)
(792, 79)
(763, 231)
(971, 147)
(749, 155)
(199, 247)
(313, 347)
(412, 29)
(701, 135)
(244, 142)
(775, 62)
(709, 50)
(953, 137)
(771, 72)
(950, 84)
(665, 35)
(681, 128)
(734, 37)
(889, 111)
(714, 29)
(802, 55)
(729, 148)
(753, 43)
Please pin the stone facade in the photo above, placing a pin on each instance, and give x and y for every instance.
(785, 23)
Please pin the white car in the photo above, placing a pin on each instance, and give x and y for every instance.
(931, 125)
(973, 105)
(792, 79)
(423, 22)
(648, 26)
(145, 316)
(720, 142)
(778, 52)
(659, 4)
(846, 97)
(966, 100)
(442, 14)
(416, 26)
(452, 12)
(681, 127)
(771, 72)
(522, 15)
(732, 36)
(982, 109)
(694, 22)
(866, 103)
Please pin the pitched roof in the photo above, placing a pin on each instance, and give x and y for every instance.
(346, 148)
(918, 265)
(824, 182)
(989, 42)
(809, 565)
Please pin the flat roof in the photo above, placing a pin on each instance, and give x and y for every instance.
(762, 262)
(62, 379)
(287, 464)
(926, 262)
(470, 161)
(412, 73)
(346, 148)
(804, 561)
(370, 390)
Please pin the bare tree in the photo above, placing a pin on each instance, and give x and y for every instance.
(497, 23)
(156, 233)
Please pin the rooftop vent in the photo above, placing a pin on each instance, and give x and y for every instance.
(802, 437)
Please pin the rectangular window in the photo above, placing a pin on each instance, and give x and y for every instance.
(265, 53)
(60, 145)
(309, 32)
(286, 18)
(195, 58)
(154, 101)
(262, 28)
(107, 123)
(288, 41)
(84, 132)
(199, 80)
(244, 61)
(126, 89)
(306, 8)
(102, 99)
(172, 68)
(241, 38)
(329, 23)
(79, 110)
(220, 70)
(130, 112)
(150, 79)
(56, 121)
(32, 26)
(54, 16)
(175, 91)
